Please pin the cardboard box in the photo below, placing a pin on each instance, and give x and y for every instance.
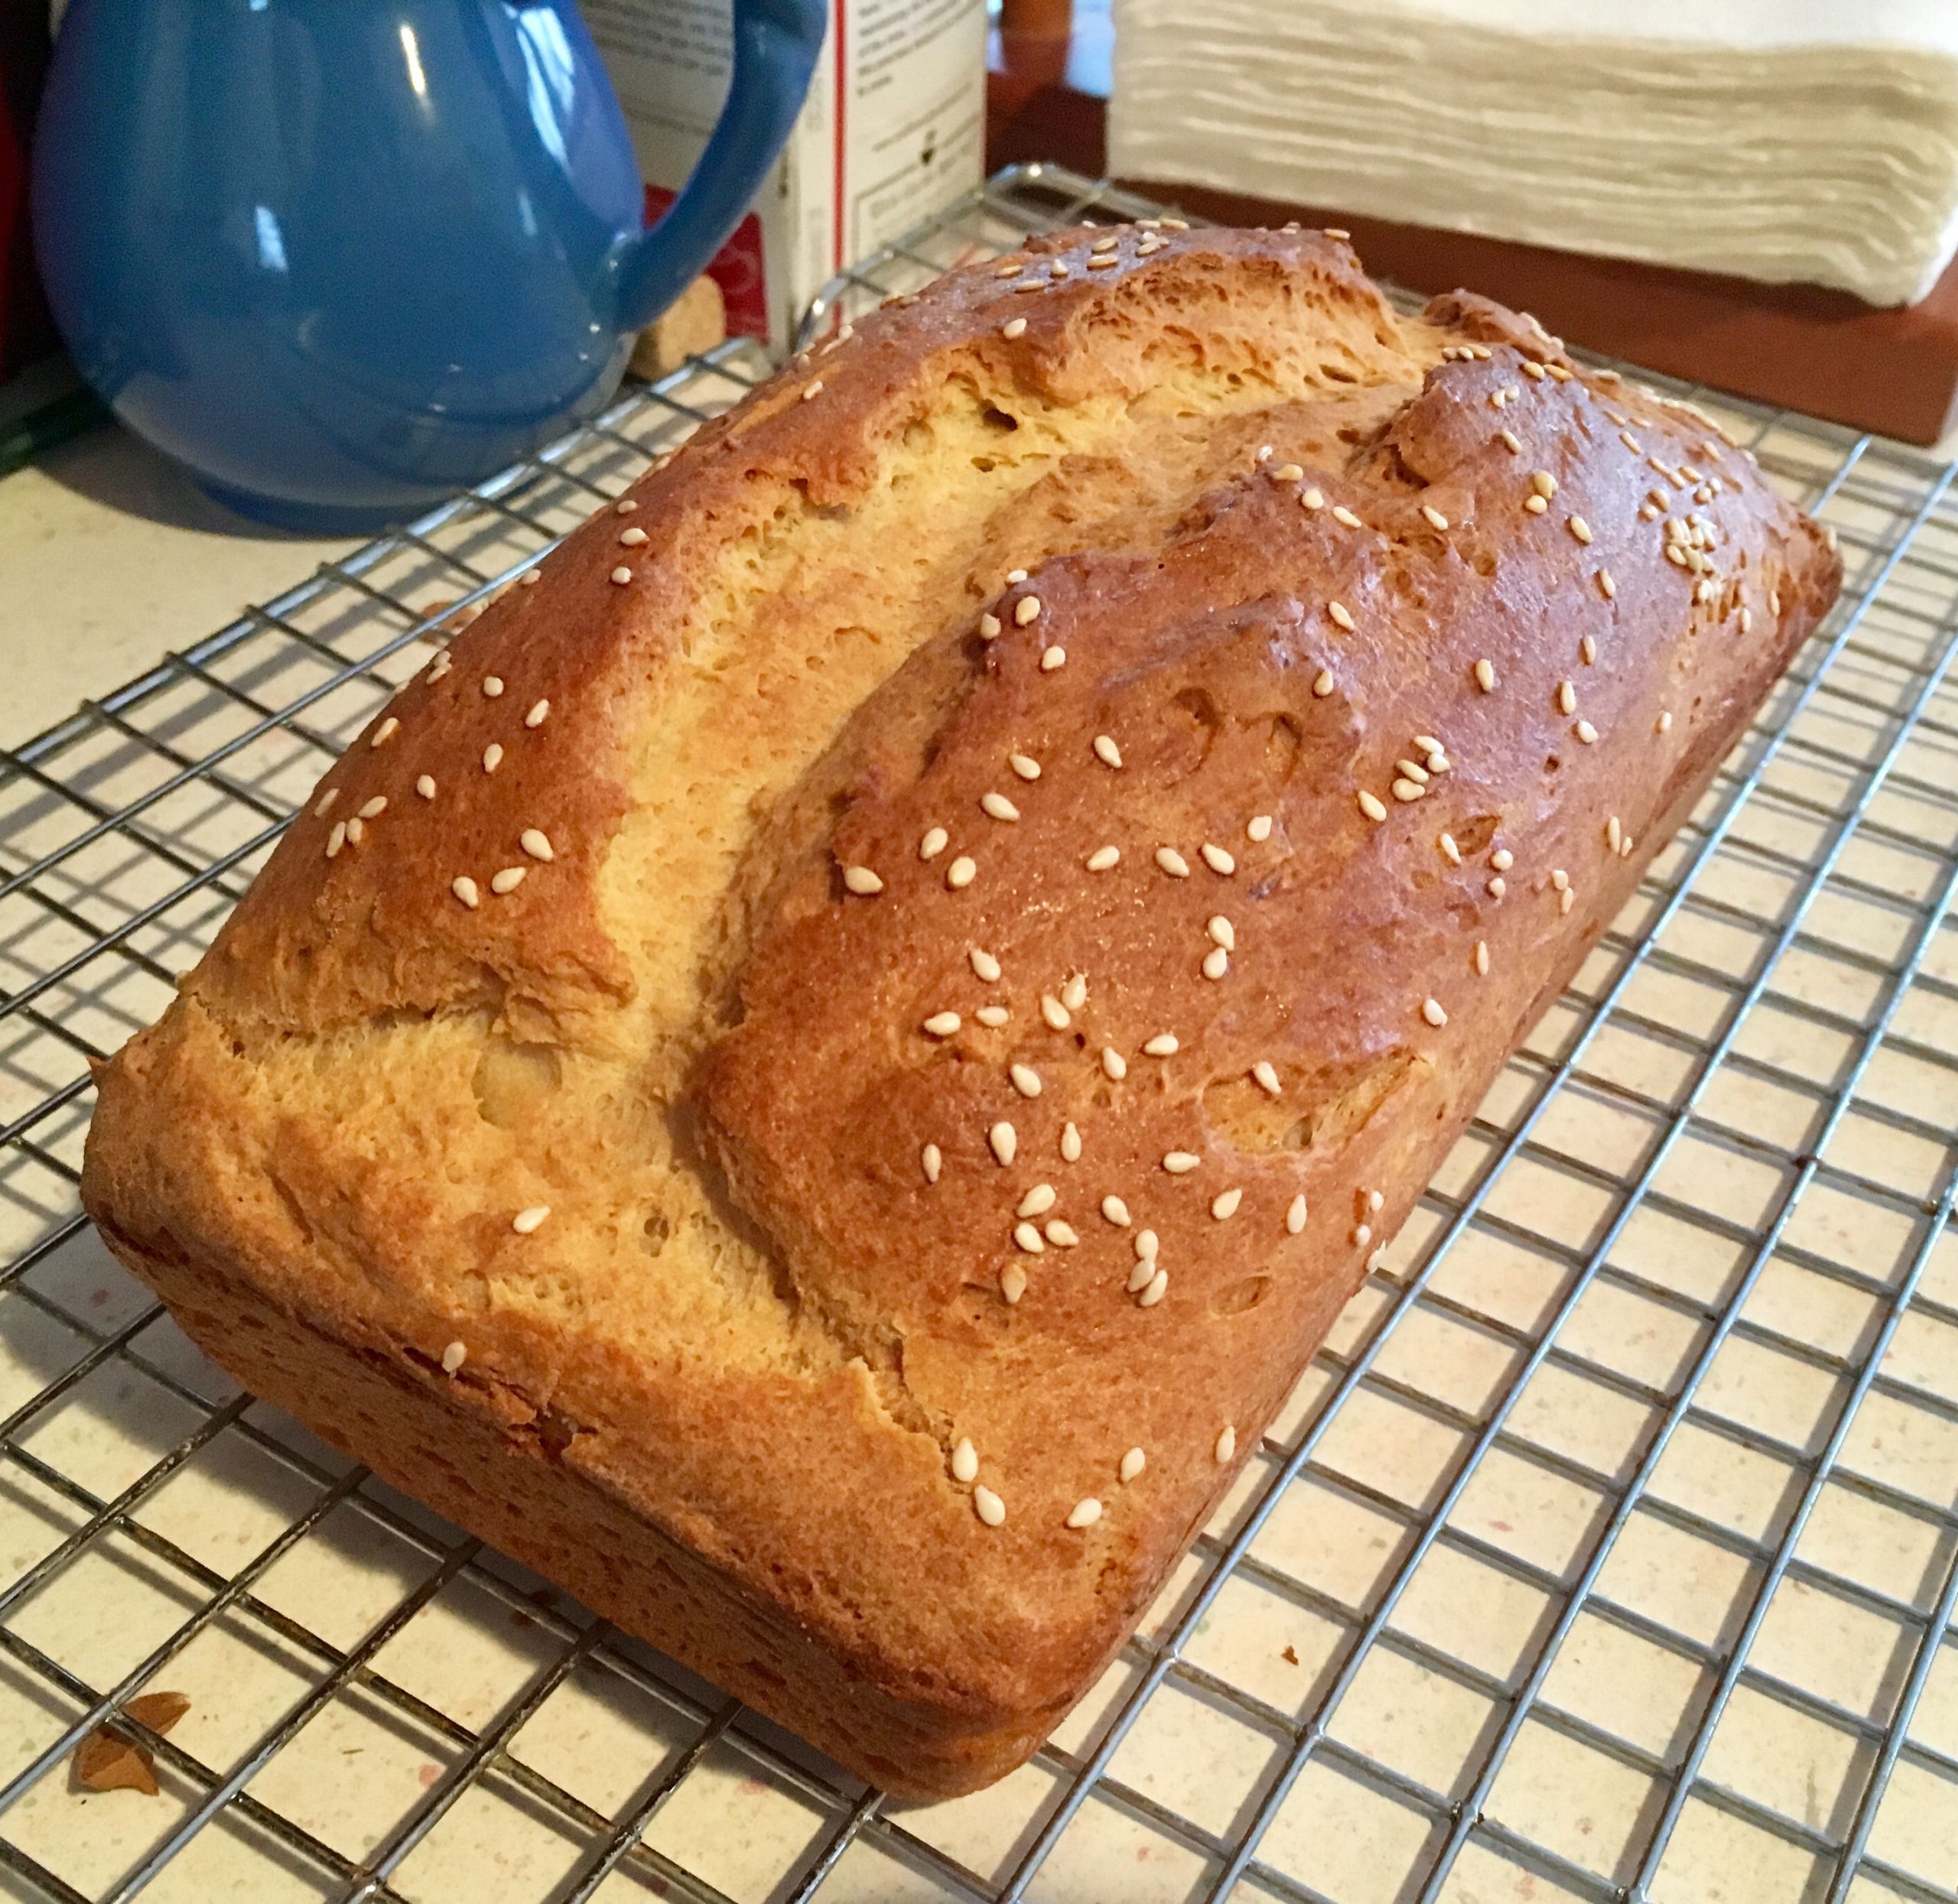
(893, 130)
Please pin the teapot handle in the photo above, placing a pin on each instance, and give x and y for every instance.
(775, 45)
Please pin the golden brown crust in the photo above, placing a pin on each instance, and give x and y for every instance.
(754, 1324)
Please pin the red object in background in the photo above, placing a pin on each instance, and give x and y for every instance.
(736, 268)
(26, 330)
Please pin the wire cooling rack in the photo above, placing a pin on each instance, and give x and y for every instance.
(1607, 1551)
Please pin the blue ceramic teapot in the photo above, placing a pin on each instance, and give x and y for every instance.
(341, 258)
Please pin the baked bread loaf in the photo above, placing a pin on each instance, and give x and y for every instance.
(819, 1075)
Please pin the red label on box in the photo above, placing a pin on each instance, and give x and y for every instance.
(736, 267)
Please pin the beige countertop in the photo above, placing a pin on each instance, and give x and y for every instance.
(110, 558)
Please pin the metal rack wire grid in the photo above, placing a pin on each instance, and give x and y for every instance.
(1608, 1549)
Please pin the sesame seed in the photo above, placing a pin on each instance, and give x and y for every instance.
(1107, 752)
(992, 1016)
(1012, 1284)
(1323, 684)
(625, 507)
(1535, 505)
(1116, 1211)
(1028, 1239)
(1264, 453)
(1061, 1235)
(1405, 790)
(1134, 1462)
(1113, 1062)
(1502, 859)
(1015, 577)
(813, 387)
(1409, 770)
(862, 880)
(1566, 899)
(1154, 1290)
(1052, 659)
(444, 662)
(989, 628)
(1222, 932)
(1147, 1244)
(934, 1161)
(1295, 1215)
(1074, 992)
(1014, 328)
(1512, 442)
(1172, 863)
(1664, 723)
(1025, 1080)
(1482, 957)
(1288, 472)
(631, 538)
(1058, 268)
(385, 732)
(1434, 515)
(1088, 1510)
(1631, 442)
(961, 872)
(1216, 963)
(336, 839)
(1533, 370)
(325, 802)
(540, 711)
(1224, 1206)
(1144, 1273)
(1578, 528)
(525, 1222)
(1376, 1201)
(1313, 499)
(1747, 619)
(1070, 1143)
(1227, 1445)
(621, 575)
(507, 879)
(463, 887)
(1431, 1010)
(1180, 1162)
(1007, 270)
(941, 1025)
(1024, 766)
(1102, 858)
(1449, 850)
(1676, 555)
(1363, 1234)
(1108, 244)
(1485, 676)
(492, 757)
(1587, 650)
(1774, 602)
(1340, 614)
(1613, 833)
(1038, 1201)
(424, 786)
(997, 806)
(374, 808)
(988, 1506)
(1560, 879)
(356, 830)
(1624, 847)
(1566, 698)
(964, 1461)
(1371, 805)
(1341, 514)
(1586, 733)
(1054, 1012)
(1544, 483)
(530, 575)
(454, 1357)
(1026, 610)
(935, 842)
(1218, 859)
(1259, 829)
(1163, 1044)
(1496, 887)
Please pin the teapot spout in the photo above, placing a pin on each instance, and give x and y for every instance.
(775, 45)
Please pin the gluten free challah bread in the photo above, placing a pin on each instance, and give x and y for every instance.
(819, 1075)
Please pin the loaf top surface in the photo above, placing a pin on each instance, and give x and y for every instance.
(970, 901)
